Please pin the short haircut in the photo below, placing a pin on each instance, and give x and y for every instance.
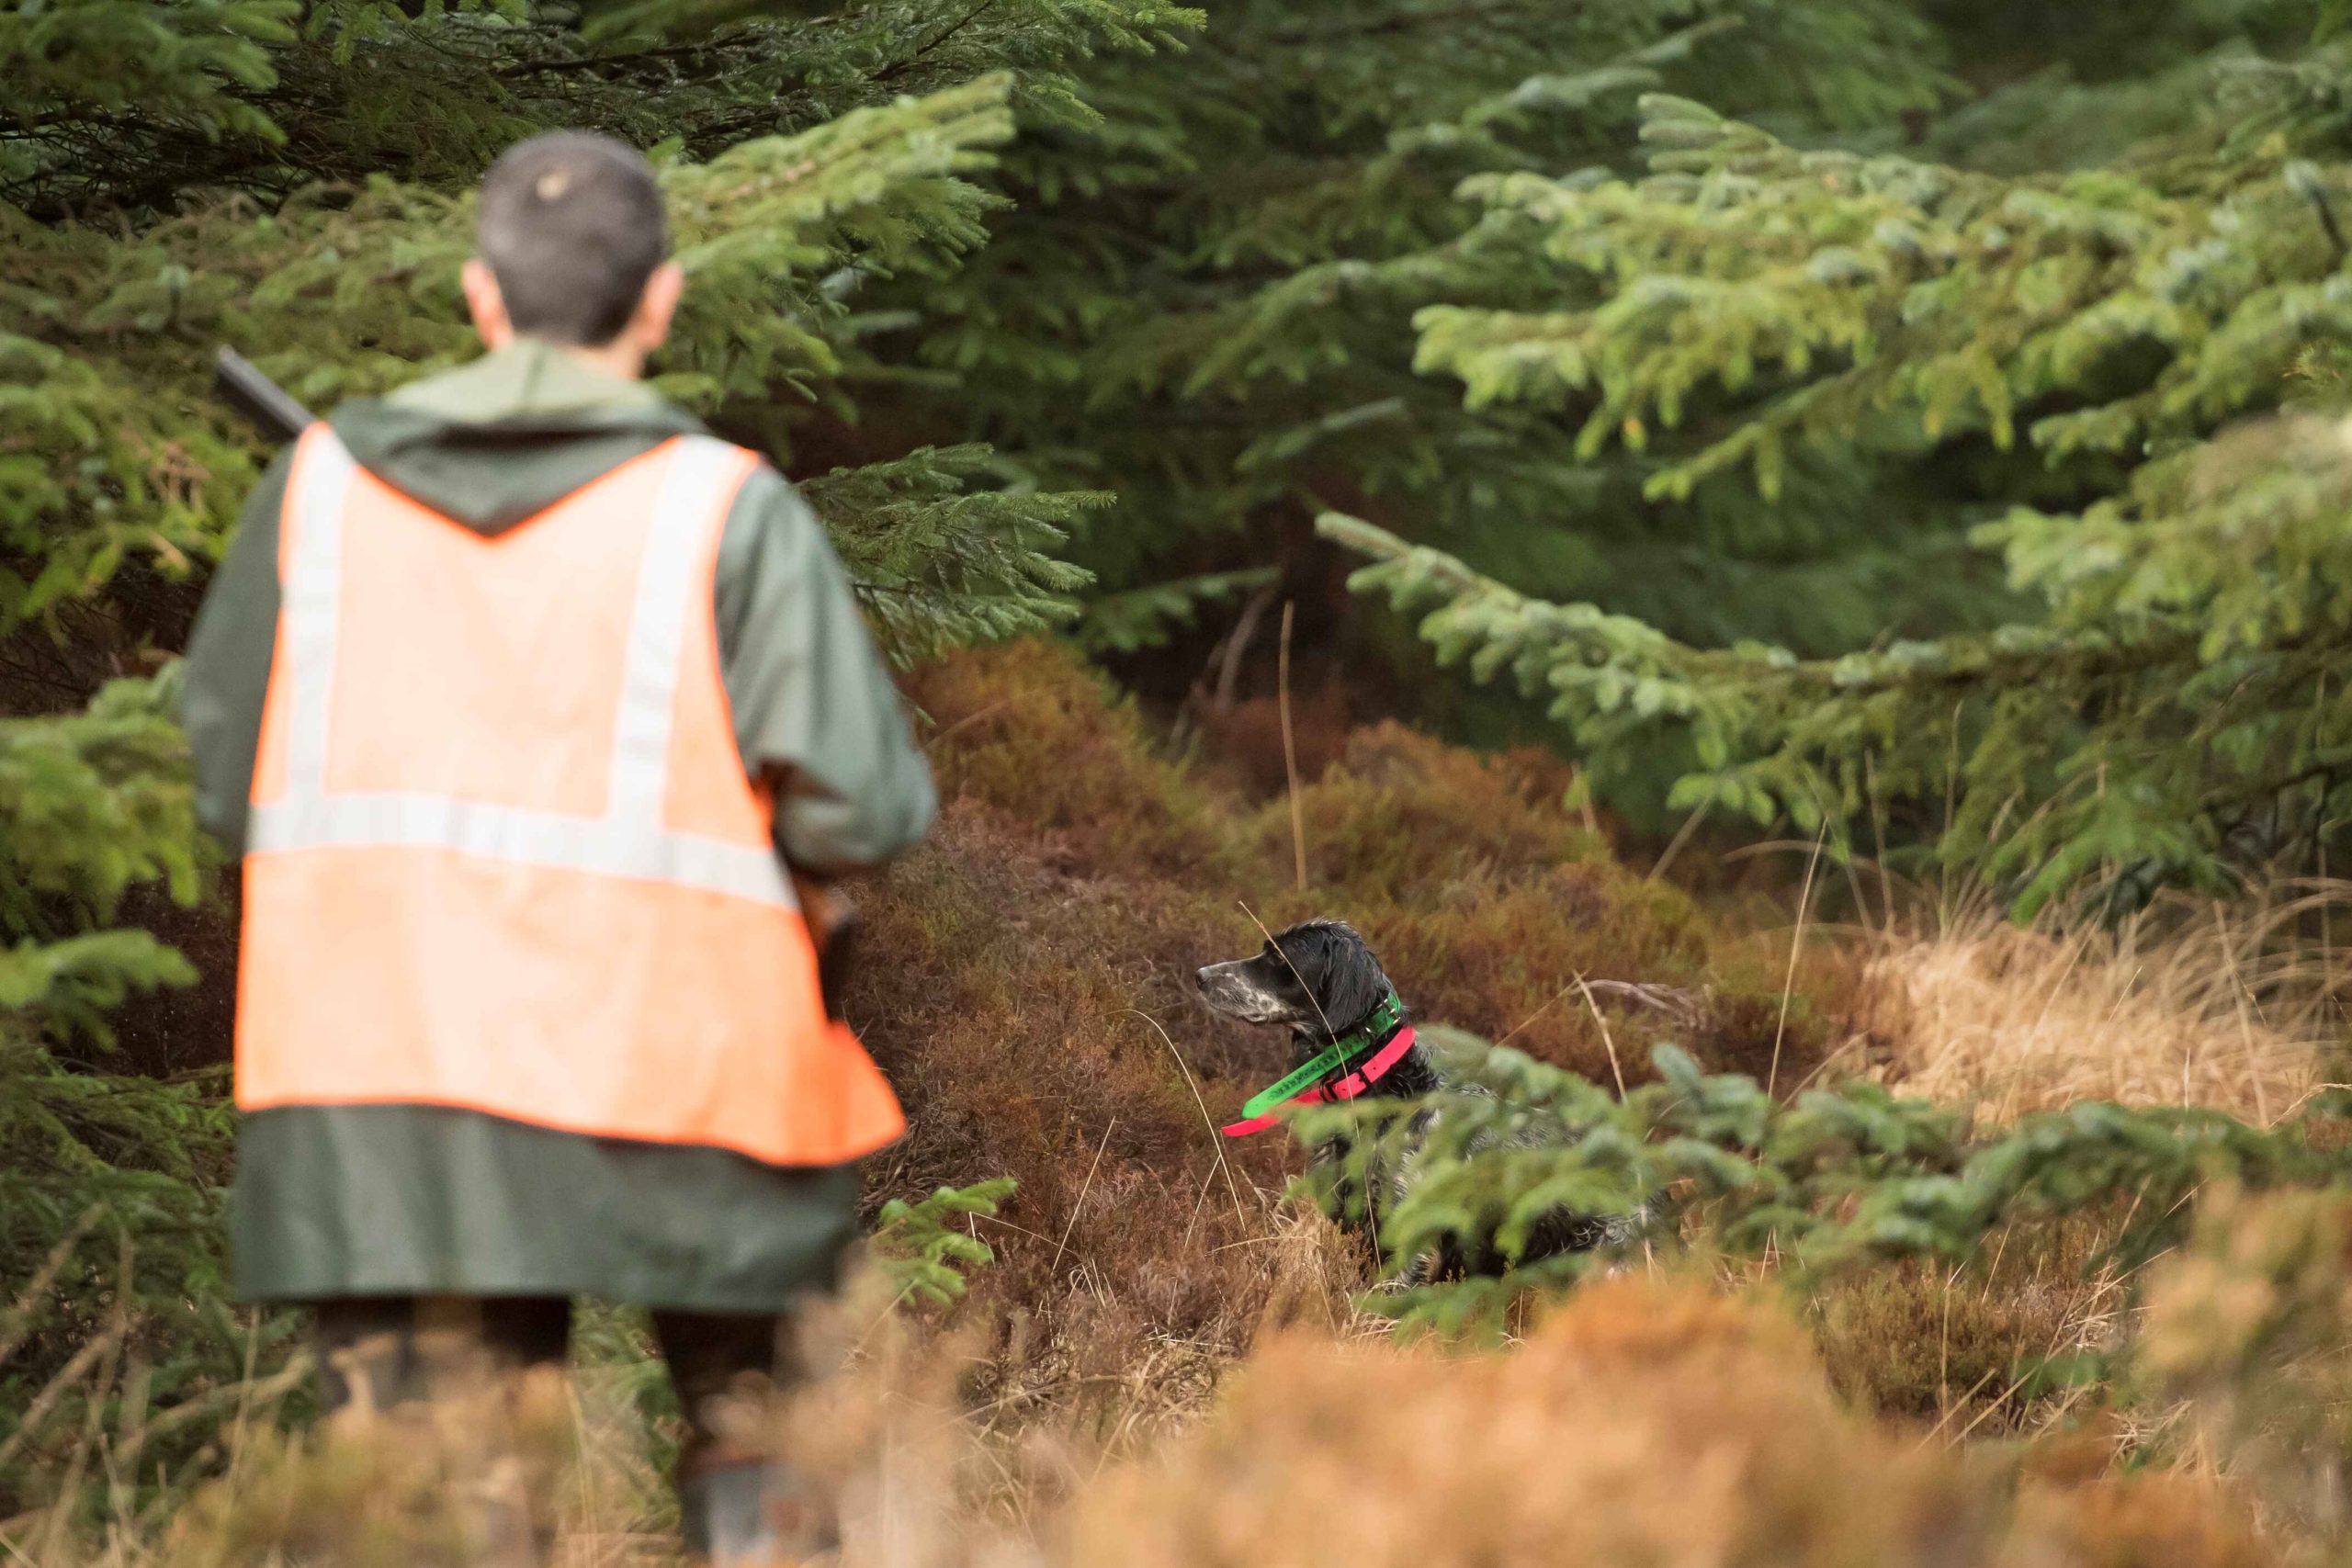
(572, 226)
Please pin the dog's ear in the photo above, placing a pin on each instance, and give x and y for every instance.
(1351, 982)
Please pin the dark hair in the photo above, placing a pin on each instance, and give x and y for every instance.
(1337, 966)
(572, 227)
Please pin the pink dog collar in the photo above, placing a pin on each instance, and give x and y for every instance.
(1348, 1088)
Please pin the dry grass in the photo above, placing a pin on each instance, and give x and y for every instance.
(2248, 1327)
(2206, 1006)
(1962, 1350)
(1640, 1423)
(1646, 1422)
(2224, 1007)
(1488, 900)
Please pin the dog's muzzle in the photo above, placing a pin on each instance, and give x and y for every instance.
(1229, 988)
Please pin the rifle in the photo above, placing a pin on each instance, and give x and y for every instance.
(270, 407)
(831, 918)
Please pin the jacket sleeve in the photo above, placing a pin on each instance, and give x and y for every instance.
(226, 677)
(815, 708)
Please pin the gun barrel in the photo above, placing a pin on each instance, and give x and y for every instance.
(243, 388)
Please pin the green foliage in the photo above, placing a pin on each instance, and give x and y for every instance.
(918, 1248)
(1186, 302)
(763, 230)
(110, 1185)
(181, 65)
(91, 804)
(2053, 359)
(938, 563)
(258, 200)
(119, 1317)
(1147, 617)
(1841, 1177)
(129, 107)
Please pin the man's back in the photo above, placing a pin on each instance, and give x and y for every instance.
(492, 447)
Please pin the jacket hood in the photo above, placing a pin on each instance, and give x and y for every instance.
(501, 439)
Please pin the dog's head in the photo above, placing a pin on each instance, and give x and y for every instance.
(1320, 979)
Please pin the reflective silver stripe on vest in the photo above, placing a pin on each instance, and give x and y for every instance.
(666, 579)
(628, 839)
(313, 582)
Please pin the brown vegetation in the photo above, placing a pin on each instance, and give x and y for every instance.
(1960, 1348)
(1647, 1421)
(2196, 1006)
(1165, 1364)
(1028, 987)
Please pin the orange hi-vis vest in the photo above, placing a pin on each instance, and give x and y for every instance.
(503, 855)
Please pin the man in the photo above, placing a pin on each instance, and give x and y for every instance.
(518, 692)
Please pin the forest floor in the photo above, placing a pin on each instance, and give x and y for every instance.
(1168, 1362)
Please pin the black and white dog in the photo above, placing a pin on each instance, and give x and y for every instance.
(1321, 981)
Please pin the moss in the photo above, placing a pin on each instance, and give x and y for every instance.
(1027, 728)
(1404, 818)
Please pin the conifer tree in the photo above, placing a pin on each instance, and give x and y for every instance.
(1185, 304)
(2044, 371)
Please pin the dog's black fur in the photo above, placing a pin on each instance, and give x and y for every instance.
(1321, 980)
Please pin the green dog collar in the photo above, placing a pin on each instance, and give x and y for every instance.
(1383, 1022)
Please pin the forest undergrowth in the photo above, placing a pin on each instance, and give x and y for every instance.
(1166, 1360)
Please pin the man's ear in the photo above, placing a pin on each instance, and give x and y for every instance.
(487, 305)
(649, 325)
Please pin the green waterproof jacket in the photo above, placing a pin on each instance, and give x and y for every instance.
(398, 1199)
